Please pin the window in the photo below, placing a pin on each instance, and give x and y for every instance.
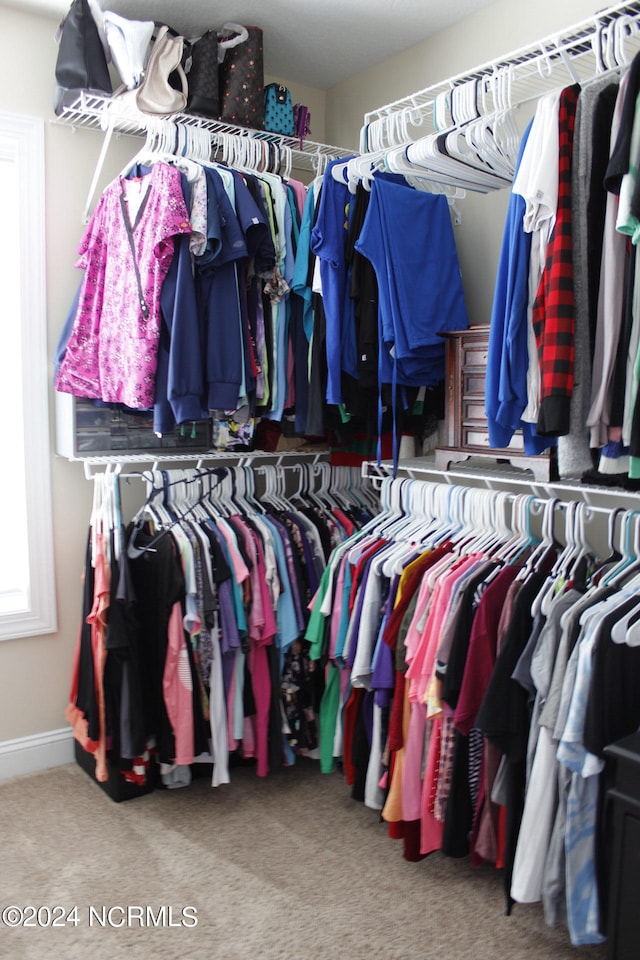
(27, 585)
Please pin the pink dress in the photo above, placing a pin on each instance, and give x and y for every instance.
(177, 687)
(112, 351)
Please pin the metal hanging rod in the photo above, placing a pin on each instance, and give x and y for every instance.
(575, 55)
(538, 497)
(506, 480)
(118, 463)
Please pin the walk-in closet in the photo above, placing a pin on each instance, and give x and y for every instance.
(319, 604)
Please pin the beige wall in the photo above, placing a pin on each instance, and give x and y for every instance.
(35, 672)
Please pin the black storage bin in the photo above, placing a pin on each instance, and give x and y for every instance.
(115, 786)
(624, 802)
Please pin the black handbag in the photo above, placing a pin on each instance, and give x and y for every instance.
(204, 97)
(242, 82)
(81, 63)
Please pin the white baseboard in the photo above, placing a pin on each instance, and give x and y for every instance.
(35, 753)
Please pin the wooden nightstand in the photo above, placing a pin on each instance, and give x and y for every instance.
(466, 428)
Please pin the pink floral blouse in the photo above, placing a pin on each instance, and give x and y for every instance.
(112, 351)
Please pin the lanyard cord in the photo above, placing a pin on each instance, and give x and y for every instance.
(125, 215)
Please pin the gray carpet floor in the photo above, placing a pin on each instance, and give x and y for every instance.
(283, 867)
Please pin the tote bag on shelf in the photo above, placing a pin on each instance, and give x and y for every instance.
(278, 109)
(242, 82)
(81, 62)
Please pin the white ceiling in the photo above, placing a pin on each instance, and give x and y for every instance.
(316, 42)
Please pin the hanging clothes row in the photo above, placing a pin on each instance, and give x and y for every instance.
(564, 328)
(479, 659)
(184, 306)
(388, 272)
(191, 644)
(216, 290)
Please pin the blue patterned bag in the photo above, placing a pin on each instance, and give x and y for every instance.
(278, 110)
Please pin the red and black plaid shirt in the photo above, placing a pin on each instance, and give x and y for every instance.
(554, 306)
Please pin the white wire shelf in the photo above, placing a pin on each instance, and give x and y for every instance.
(575, 55)
(119, 462)
(93, 111)
(502, 476)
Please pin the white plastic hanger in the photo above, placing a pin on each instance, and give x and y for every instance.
(271, 495)
(625, 27)
(576, 550)
(548, 545)
(525, 507)
(632, 633)
(413, 536)
(494, 136)
(629, 560)
(426, 153)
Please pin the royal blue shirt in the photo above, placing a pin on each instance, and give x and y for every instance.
(408, 237)
(506, 394)
(328, 242)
